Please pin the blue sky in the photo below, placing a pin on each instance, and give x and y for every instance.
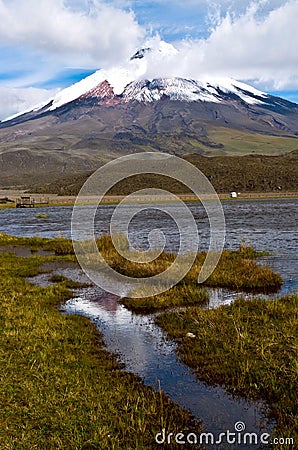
(46, 45)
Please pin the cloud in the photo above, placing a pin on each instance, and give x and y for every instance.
(94, 36)
(252, 41)
(250, 46)
(14, 100)
(41, 38)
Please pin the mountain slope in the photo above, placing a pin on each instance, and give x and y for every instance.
(115, 112)
(249, 173)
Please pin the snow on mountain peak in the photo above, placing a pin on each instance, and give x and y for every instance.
(139, 80)
(182, 89)
(132, 82)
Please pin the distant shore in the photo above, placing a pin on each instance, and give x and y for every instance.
(57, 200)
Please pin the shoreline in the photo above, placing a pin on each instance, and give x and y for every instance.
(56, 200)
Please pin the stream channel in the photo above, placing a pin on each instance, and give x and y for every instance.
(135, 339)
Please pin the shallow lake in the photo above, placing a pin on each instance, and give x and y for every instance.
(269, 224)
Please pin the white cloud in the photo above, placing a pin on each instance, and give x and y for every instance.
(251, 47)
(90, 37)
(41, 37)
(14, 100)
(252, 41)
(246, 47)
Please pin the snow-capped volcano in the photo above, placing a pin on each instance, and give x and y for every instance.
(137, 107)
(126, 88)
(129, 82)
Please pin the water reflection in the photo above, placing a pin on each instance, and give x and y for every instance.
(144, 349)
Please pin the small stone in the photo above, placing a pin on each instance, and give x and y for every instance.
(190, 335)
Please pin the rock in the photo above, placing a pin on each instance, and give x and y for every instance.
(190, 335)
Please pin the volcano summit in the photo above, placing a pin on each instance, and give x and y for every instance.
(122, 110)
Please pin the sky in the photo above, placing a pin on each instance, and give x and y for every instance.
(46, 45)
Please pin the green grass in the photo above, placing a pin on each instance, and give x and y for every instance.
(247, 163)
(58, 246)
(239, 271)
(42, 216)
(238, 142)
(59, 389)
(250, 347)
(184, 294)
(69, 284)
(7, 205)
(236, 270)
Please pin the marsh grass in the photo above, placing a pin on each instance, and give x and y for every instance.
(181, 295)
(250, 347)
(59, 389)
(236, 270)
(129, 267)
(42, 216)
(60, 246)
(69, 284)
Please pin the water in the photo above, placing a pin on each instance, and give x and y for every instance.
(269, 224)
(265, 224)
(144, 350)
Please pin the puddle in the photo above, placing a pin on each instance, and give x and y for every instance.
(144, 349)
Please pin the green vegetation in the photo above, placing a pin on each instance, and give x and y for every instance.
(58, 246)
(59, 389)
(246, 173)
(69, 284)
(250, 347)
(236, 270)
(184, 294)
(240, 142)
(6, 205)
(42, 216)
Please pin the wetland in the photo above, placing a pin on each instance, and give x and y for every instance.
(158, 347)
